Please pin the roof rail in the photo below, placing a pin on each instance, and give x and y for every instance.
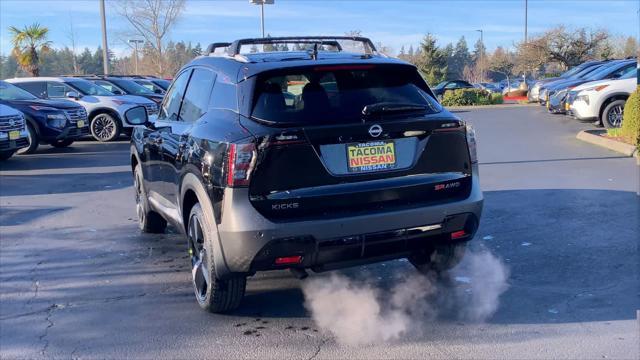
(212, 47)
(233, 49)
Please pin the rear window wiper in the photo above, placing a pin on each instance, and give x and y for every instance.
(392, 108)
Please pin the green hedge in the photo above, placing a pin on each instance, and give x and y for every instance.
(462, 97)
(631, 119)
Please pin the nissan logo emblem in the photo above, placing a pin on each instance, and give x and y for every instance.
(375, 130)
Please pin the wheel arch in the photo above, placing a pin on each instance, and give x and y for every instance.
(192, 192)
(104, 110)
(611, 98)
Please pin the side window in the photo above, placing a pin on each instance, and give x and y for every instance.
(171, 103)
(196, 99)
(618, 73)
(57, 89)
(37, 88)
(106, 85)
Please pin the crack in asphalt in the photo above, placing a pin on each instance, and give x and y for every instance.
(42, 337)
(318, 348)
(34, 282)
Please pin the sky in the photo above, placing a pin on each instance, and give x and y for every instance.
(395, 23)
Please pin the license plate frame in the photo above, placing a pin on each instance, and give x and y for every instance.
(14, 135)
(383, 158)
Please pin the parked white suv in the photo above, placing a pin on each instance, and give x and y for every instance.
(602, 101)
(105, 110)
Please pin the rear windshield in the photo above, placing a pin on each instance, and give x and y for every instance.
(326, 94)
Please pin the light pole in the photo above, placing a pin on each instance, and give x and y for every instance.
(105, 51)
(262, 3)
(136, 42)
(526, 18)
(481, 55)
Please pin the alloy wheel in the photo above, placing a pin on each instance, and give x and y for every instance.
(615, 116)
(199, 263)
(138, 194)
(103, 127)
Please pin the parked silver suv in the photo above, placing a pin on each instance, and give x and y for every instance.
(105, 109)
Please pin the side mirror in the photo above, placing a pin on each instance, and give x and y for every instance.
(73, 94)
(136, 116)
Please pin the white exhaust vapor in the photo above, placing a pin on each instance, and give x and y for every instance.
(357, 313)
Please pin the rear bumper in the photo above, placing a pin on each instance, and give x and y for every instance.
(249, 242)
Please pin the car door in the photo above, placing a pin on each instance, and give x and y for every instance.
(195, 104)
(156, 180)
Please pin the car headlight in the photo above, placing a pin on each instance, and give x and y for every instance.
(583, 97)
(58, 121)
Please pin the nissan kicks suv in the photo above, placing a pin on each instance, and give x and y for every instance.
(318, 158)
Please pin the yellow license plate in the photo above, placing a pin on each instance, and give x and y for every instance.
(566, 106)
(14, 135)
(80, 123)
(371, 156)
(548, 105)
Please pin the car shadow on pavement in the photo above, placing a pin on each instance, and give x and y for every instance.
(14, 185)
(11, 216)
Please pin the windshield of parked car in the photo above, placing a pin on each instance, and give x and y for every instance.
(572, 71)
(162, 83)
(584, 72)
(337, 93)
(131, 87)
(441, 85)
(12, 92)
(88, 88)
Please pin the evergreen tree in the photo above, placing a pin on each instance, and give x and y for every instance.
(432, 61)
(461, 58)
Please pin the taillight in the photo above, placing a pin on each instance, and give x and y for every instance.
(241, 162)
(471, 142)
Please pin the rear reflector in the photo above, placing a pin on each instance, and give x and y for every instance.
(458, 234)
(289, 260)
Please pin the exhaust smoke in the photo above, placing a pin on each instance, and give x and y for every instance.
(358, 312)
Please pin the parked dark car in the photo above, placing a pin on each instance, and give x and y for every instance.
(13, 134)
(125, 86)
(544, 89)
(440, 89)
(315, 159)
(611, 70)
(55, 122)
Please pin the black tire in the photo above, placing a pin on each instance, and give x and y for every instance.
(149, 221)
(62, 143)
(33, 139)
(439, 259)
(105, 127)
(5, 155)
(612, 114)
(213, 294)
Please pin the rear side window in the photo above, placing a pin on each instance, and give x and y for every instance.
(57, 90)
(196, 99)
(37, 88)
(173, 98)
(339, 93)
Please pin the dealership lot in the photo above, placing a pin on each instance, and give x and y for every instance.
(79, 280)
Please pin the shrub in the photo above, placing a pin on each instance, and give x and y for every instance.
(463, 97)
(631, 118)
(517, 93)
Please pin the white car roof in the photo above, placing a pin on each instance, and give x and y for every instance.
(42, 78)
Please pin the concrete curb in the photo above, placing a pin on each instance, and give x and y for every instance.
(497, 106)
(593, 137)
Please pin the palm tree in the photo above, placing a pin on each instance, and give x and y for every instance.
(27, 44)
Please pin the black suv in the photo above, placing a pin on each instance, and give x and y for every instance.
(317, 158)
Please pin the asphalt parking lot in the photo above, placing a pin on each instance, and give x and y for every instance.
(78, 279)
